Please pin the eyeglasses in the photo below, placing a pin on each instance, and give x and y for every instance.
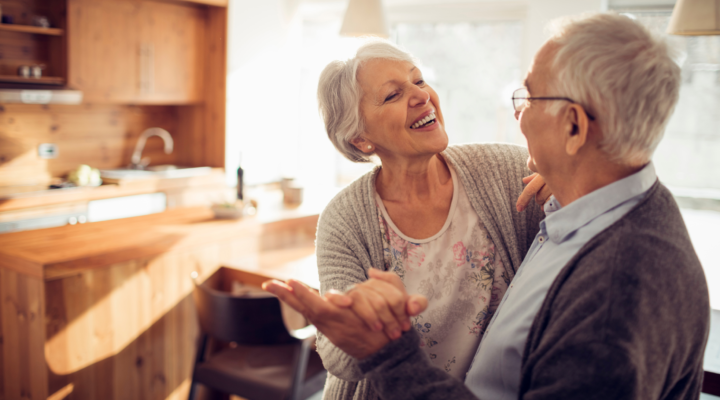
(521, 97)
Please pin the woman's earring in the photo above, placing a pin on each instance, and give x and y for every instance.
(369, 147)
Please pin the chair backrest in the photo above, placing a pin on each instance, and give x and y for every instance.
(243, 320)
(711, 383)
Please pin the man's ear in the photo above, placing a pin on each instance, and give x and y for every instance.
(576, 136)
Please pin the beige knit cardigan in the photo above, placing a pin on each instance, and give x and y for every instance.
(349, 241)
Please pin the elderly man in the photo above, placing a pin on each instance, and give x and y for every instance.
(611, 301)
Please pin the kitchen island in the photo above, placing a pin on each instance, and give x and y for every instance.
(104, 310)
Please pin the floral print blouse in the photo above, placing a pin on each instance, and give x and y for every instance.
(456, 269)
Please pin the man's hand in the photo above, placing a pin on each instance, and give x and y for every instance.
(536, 188)
(341, 326)
(381, 302)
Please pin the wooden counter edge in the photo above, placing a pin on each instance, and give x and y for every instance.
(80, 194)
(21, 265)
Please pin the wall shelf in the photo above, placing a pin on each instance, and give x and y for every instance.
(31, 29)
(45, 80)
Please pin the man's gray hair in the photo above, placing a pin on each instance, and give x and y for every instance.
(623, 74)
(339, 95)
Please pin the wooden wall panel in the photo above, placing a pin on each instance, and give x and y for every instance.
(102, 136)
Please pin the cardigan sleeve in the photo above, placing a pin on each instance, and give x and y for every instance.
(400, 370)
(338, 267)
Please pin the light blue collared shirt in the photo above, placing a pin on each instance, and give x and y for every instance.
(495, 370)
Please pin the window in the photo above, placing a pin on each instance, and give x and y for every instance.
(474, 68)
(687, 158)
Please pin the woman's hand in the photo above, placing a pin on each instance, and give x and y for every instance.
(381, 302)
(536, 188)
(340, 325)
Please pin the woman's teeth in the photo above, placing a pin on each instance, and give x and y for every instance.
(425, 121)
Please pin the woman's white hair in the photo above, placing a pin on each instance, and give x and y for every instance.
(623, 74)
(339, 95)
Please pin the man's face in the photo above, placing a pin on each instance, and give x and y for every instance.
(541, 129)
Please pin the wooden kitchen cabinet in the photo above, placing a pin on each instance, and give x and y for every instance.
(134, 52)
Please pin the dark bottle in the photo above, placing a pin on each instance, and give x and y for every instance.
(240, 183)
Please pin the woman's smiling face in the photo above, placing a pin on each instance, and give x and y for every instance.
(401, 112)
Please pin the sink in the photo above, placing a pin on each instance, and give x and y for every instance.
(157, 171)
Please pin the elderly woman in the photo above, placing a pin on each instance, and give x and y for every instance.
(442, 218)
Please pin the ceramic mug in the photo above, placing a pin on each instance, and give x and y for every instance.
(24, 71)
(293, 195)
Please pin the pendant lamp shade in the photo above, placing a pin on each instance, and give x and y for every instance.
(365, 18)
(695, 18)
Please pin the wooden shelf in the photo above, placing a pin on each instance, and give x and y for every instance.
(45, 80)
(31, 29)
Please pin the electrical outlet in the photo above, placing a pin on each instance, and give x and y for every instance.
(47, 150)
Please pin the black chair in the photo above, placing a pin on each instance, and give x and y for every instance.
(264, 360)
(711, 383)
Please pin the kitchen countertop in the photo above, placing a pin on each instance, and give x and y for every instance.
(299, 263)
(56, 252)
(19, 197)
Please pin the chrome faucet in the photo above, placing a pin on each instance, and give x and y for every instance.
(137, 162)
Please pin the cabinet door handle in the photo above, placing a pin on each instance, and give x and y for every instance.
(147, 68)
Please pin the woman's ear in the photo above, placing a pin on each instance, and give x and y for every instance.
(576, 136)
(363, 145)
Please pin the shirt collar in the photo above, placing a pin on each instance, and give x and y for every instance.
(562, 221)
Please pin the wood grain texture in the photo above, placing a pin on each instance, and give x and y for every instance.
(217, 3)
(22, 44)
(175, 33)
(24, 373)
(102, 136)
(66, 250)
(103, 49)
(298, 263)
(44, 80)
(213, 134)
(125, 331)
(11, 200)
(128, 331)
(140, 52)
(31, 29)
(100, 55)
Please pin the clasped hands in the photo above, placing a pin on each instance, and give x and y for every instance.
(360, 321)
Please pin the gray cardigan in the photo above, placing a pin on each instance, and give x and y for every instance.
(349, 241)
(626, 318)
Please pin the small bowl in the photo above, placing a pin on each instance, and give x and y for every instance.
(228, 211)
